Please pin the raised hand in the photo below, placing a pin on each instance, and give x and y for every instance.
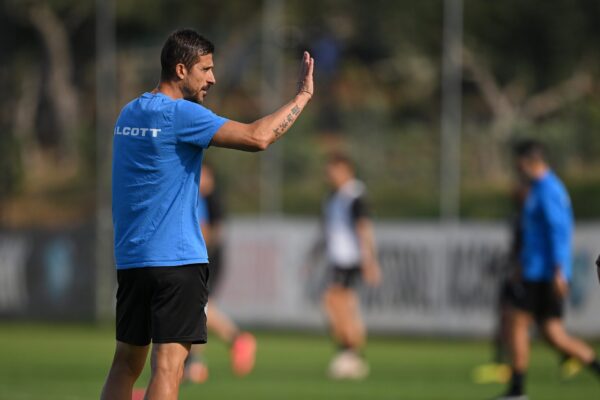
(305, 80)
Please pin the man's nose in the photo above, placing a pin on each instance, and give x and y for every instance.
(211, 78)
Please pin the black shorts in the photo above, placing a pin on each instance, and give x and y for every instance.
(538, 299)
(506, 295)
(347, 277)
(162, 304)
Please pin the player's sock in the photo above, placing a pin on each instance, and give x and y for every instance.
(516, 384)
(343, 346)
(595, 366)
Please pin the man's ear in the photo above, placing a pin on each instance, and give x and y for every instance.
(180, 71)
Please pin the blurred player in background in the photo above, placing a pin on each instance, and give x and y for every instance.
(158, 144)
(498, 371)
(547, 223)
(242, 344)
(351, 254)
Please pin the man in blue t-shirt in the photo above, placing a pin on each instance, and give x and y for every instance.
(161, 257)
(545, 267)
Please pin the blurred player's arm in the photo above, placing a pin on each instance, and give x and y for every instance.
(556, 223)
(366, 237)
(259, 135)
(370, 265)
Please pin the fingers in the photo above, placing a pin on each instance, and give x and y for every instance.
(307, 64)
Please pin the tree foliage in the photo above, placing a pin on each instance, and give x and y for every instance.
(531, 68)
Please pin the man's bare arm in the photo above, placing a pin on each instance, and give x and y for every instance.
(370, 264)
(260, 134)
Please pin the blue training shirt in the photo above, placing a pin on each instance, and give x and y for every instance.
(547, 223)
(158, 146)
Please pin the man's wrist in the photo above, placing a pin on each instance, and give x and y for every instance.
(303, 97)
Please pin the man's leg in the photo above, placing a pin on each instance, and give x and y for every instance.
(554, 331)
(519, 344)
(242, 344)
(349, 363)
(126, 367)
(341, 305)
(332, 303)
(225, 329)
(220, 323)
(167, 370)
(354, 328)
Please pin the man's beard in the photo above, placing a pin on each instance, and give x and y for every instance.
(191, 95)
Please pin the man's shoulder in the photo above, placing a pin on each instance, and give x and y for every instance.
(553, 184)
(148, 102)
(553, 190)
(189, 107)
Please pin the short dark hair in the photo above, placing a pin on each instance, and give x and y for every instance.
(183, 46)
(531, 149)
(338, 158)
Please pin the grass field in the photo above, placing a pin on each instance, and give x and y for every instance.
(70, 362)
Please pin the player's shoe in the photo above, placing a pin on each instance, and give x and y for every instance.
(243, 354)
(570, 367)
(195, 370)
(492, 373)
(348, 365)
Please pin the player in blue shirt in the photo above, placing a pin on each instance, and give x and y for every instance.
(547, 230)
(161, 257)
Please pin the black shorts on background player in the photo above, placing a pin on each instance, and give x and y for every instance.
(347, 277)
(162, 304)
(215, 213)
(215, 267)
(538, 299)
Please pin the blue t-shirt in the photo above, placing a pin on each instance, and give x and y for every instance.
(547, 223)
(158, 145)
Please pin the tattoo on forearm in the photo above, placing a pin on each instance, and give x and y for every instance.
(287, 122)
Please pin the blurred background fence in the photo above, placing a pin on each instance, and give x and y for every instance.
(439, 280)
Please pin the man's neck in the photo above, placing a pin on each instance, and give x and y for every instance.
(170, 89)
(345, 183)
(540, 172)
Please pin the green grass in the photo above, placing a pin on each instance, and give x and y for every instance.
(70, 362)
